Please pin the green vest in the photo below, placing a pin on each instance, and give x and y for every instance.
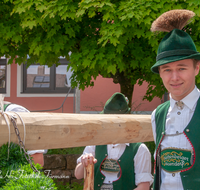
(191, 176)
(127, 178)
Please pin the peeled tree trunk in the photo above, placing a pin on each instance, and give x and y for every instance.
(61, 130)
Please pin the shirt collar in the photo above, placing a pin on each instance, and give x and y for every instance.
(189, 100)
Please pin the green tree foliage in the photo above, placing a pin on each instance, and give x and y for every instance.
(111, 38)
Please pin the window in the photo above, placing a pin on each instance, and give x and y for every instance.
(43, 79)
(2, 75)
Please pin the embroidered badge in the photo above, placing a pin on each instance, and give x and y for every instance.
(107, 187)
(110, 165)
(175, 160)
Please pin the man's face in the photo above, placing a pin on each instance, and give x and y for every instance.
(179, 77)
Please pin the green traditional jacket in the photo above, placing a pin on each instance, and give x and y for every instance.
(191, 176)
(126, 180)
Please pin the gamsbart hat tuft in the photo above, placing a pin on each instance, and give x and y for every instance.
(177, 44)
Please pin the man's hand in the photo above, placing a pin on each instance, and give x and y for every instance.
(88, 159)
(85, 160)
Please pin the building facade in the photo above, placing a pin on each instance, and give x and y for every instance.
(39, 88)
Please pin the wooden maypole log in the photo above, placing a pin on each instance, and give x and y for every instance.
(61, 130)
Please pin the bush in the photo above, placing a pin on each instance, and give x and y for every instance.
(16, 159)
(15, 155)
(151, 147)
(26, 178)
(74, 186)
(16, 172)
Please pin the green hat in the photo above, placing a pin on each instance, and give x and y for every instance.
(117, 104)
(176, 45)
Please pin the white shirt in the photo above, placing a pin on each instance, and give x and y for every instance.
(174, 123)
(16, 108)
(142, 162)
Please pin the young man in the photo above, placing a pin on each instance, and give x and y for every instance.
(176, 122)
(117, 166)
(36, 154)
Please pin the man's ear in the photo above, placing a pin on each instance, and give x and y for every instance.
(197, 68)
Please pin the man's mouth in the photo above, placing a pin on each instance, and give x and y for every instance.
(176, 85)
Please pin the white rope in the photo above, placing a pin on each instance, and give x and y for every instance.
(2, 113)
(10, 115)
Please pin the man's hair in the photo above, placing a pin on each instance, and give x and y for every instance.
(195, 62)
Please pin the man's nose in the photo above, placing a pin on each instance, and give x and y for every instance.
(175, 75)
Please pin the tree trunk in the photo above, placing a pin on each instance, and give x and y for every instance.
(126, 87)
(127, 90)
